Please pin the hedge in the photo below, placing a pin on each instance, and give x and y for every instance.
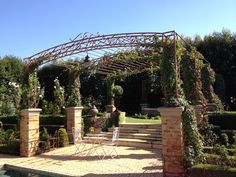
(13, 119)
(207, 170)
(60, 120)
(226, 120)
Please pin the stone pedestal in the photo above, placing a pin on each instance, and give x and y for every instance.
(122, 117)
(172, 141)
(110, 108)
(29, 131)
(199, 113)
(74, 119)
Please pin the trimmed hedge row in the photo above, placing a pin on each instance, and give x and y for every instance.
(211, 171)
(60, 120)
(226, 120)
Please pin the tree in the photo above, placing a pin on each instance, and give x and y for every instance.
(11, 79)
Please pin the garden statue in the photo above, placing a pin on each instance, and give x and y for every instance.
(95, 121)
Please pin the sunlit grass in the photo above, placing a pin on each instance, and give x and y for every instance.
(149, 121)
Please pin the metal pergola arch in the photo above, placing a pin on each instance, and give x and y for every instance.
(88, 42)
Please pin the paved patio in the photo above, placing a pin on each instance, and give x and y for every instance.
(133, 162)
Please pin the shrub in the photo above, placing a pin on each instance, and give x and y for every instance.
(208, 133)
(44, 137)
(52, 119)
(208, 170)
(221, 151)
(63, 137)
(224, 139)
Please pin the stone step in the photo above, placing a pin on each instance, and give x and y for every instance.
(136, 130)
(142, 136)
(138, 125)
(129, 142)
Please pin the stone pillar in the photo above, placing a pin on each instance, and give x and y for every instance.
(199, 114)
(29, 131)
(74, 119)
(172, 141)
(110, 108)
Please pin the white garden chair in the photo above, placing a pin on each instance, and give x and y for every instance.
(78, 141)
(109, 147)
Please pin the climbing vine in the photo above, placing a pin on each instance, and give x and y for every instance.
(190, 72)
(192, 141)
(208, 79)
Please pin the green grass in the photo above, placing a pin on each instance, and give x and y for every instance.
(148, 121)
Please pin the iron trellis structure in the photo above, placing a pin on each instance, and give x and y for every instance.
(89, 42)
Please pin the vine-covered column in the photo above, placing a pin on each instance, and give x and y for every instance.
(74, 106)
(191, 64)
(110, 107)
(181, 141)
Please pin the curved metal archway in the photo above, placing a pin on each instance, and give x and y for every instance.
(88, 42)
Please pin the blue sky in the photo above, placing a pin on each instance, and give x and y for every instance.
(30, 26)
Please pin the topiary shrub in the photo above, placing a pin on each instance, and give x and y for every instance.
(44, 137)
(63, 137)
(118, 90)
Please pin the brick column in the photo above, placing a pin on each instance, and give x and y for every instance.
(198, 112)
(74, 119)
(29, 131)
(172, 141)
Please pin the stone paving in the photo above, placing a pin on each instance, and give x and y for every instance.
(132, 162)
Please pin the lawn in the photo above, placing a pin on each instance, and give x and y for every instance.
(147, 121)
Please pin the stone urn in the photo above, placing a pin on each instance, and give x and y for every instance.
(94, 111)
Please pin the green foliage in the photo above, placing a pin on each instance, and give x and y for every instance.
(8, 141)
(219, 49)
(220, 87)
(191, 64)
(47, 107)
(168, 73)
(226, 120)
(74, 98)
(221, 151)
(118, 90)
(11, 78)
(44, 138)
(58, 97)
(110, 94)
(32, 92)
(234, 139)
(208, 79)
(211, 171)
(224, 139)
(192, 141)
(171, 86)
(208, 134)
(63, 137)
